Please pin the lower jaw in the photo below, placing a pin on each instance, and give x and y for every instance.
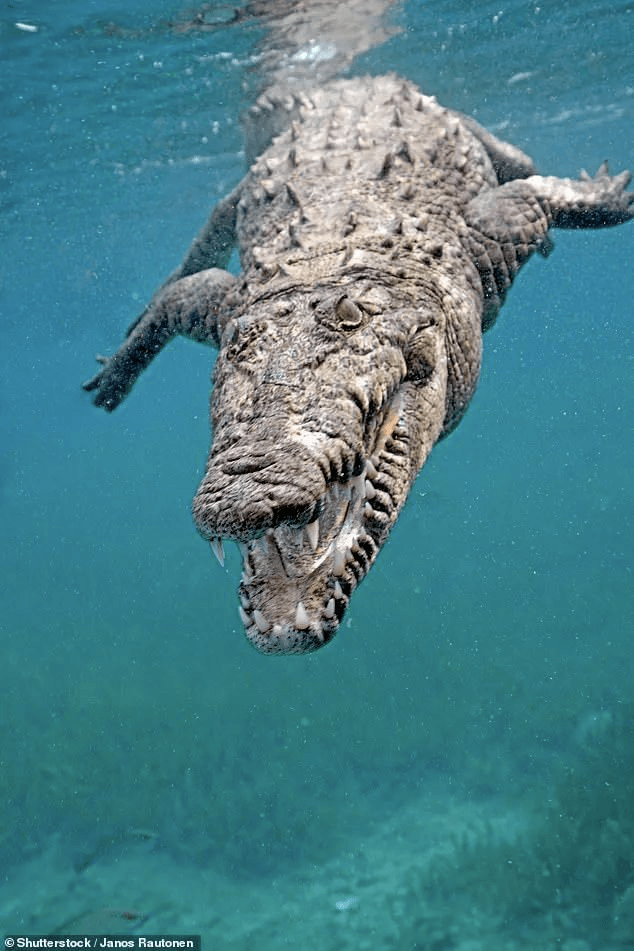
(288, 640)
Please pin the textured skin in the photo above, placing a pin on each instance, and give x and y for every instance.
(379, 234)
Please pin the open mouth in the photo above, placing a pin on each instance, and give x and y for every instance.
(335, 547)
(297, 581)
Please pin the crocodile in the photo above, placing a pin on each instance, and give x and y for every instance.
(379, 234)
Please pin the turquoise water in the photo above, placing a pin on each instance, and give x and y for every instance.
(494, 633)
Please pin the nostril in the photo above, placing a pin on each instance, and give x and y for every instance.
(249, 489)
(248, 464)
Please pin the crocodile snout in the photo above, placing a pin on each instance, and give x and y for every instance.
(248, 490)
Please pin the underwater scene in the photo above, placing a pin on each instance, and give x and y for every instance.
(455, 770)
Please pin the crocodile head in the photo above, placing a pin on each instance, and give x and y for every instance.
(324, 407)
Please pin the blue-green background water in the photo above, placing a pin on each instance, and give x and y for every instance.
(499, 616)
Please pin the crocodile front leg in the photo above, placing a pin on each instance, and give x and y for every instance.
(507, 224)
(192, 306)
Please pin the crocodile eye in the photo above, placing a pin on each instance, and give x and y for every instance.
(341, 314)
(421, 354)
(348, 315)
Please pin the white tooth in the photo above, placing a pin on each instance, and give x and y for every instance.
(370, 491)
(368, 510)
(320, 636)
(244, 550)
(338, 591)
(359, 484)
(339, 563)
(349, 556)
(301, 617)
(262, 623)
(244, 601)
(246, 620)
(370, 469)
(330, 608)
(218, 550)
(312, 530)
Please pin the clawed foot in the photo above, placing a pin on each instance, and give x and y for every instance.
(609, 202)
(112, 383)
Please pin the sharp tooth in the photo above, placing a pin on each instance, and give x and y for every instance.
(244, 601)
(339, 563)
(358, 484)
(338, 591)
(368, 510)
(320, 636)
(301, 617)
(312, 530)
(218, 550)
(349, 556)
(246, 620)
(370, 491)
(370, 469)
(244, 550)
(262, 623)
(330, 608)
